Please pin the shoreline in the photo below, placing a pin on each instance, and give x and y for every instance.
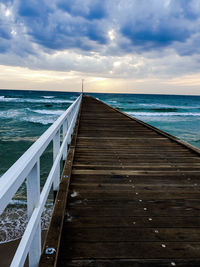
(8, 249)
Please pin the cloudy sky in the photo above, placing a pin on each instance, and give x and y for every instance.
(133, 46)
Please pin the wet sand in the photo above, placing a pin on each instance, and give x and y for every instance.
(7, 251)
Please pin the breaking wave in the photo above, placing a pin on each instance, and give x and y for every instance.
(32, 115)
(168, 114)
(166, 106)
(48, 97)
(48, 112)
(30, 100)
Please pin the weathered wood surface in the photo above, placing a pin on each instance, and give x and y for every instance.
(134, 197)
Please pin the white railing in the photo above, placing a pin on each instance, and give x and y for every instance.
(28, 167)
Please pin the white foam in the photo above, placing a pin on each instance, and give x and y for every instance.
(47, 112)
(73, 97)
(9, 99)
(41, 120)
(48, 97)
(14, 220)
(30, 100)
(12, 113)
(112, 101)
(18, 202)
(28, 115)
(46, 100)
(166, 106)
(168, 114)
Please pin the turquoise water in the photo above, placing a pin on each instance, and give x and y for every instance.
(177, 115)
(25, 115)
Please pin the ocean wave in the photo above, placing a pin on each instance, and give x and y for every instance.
(31, 100)
(25, 115)
(14, 219)
(190, 137)
(40, 120)
(73, 97)
(164, 109)
(157, 106)
(166, 114)
(112, 101)
(47, 112)
(8, 99)
(48, 97)
(12, 113)
(9, 138)
(47, 100)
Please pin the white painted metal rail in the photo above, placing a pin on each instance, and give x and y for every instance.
(28, 167)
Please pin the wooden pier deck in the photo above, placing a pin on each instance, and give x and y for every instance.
(133, 197)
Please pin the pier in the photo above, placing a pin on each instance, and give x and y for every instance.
(129, 196)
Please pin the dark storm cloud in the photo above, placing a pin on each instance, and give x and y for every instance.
(92, 9)
(159, 24)
(61, 25)
(136, 26)
(146, 37)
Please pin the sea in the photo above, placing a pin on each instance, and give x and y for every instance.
(25, 115)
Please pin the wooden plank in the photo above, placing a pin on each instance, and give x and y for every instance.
(161, 210)
(179, 186)
(126, 195)
(135, 202)
(131, 250)
(126, 234)
(132, 221)
(124, 179)
(130, 172)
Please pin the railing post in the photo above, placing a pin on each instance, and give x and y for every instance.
(65, 128)
(33, 199)
(70, 132)
(56, 147)
(73, 120)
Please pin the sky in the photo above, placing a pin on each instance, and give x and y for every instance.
(119, 46)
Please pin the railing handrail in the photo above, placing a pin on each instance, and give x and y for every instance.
(29, 158)
(28, 167)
